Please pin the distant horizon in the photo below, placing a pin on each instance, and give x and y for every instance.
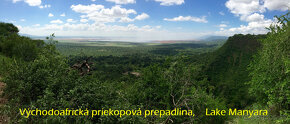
(120, 38)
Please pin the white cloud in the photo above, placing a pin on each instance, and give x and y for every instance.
(122, 1)
(277, 4)
(50, 15)
(29, 2)
(138, 17)
(142, 16)
(56, 21)
(188, 18)
(253, 18)
(170, 2)
(222, 25)
(222, 13)
(86, 8)
(71, 21)
(256, 25)
(251, 28)
(63, 15)
(36, 25)
(126, 19)
(44, 6)
(117, 11)
(251, 11)
(244, 7)
(98, 13)
(33, 3)
(23, 20)
(84, 20)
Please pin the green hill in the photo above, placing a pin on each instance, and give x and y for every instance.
(227, 71)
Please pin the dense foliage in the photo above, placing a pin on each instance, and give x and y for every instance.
(270, 77)
(228, 69)
(19, 47)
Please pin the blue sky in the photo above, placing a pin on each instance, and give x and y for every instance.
(142, 19)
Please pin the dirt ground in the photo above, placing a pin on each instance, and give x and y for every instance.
(3, 118)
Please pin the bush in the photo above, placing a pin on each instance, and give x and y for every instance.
(270, 69)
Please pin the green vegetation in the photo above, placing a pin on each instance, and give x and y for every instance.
(13, 45)
(4, 62)
(100, 48)
(228, 69)
(247, 72)
(270, 77)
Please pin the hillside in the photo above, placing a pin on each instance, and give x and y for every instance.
(227, 71)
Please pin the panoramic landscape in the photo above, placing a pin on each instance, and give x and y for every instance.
(145, 61)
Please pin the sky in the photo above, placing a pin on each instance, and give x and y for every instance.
(142, 20)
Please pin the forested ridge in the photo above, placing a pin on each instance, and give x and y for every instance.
(247, 72)
(228, 69)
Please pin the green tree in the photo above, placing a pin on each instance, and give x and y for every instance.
(19, 47)
(7, 29)
(270, 77)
